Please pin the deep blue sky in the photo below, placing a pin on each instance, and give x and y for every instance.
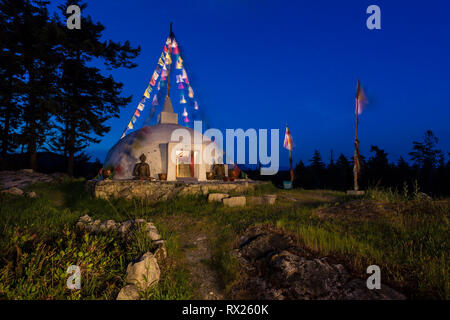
(258, 64)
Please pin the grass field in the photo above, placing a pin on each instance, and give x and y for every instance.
(404, 234)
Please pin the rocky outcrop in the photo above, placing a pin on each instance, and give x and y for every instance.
(22, 178)
(277, 269)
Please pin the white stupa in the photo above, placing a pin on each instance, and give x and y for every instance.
(156, 144)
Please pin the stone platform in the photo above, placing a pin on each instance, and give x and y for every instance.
(163, 190)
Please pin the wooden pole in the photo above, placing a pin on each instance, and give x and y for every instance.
(355, 159)
(290, 164)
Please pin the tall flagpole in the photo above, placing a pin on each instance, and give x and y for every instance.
(290, 158)
(356, 157)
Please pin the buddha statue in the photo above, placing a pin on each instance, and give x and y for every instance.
(141, 170)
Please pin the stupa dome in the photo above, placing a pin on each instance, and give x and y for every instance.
(153, 142)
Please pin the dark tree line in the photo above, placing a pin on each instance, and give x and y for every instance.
(51, 95)
(428, 169)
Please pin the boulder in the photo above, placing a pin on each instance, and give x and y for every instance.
(129, 292)
(86, 218)
(125, 227)
(31, 194)
(217, 197)
(161, 250)
(234, 201)
(107, 225)
(14, 191)
(152, 232)
(144, 272)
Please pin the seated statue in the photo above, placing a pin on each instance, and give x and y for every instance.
(141, 170)
(219, 171)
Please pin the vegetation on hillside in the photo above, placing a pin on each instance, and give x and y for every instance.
(408, 239)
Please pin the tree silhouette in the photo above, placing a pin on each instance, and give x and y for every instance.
(11, 83)
(87, 98)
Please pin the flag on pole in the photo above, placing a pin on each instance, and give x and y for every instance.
(288, 143)
(361, 98)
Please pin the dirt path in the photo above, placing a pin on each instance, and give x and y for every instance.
(193, 239)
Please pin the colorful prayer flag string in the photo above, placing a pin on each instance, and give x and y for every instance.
(161, 69)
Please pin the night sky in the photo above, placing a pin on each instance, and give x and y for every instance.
(258, 64)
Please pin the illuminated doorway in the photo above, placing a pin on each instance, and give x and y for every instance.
(185, 164)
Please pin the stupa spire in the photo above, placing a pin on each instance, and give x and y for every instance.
(167, 115)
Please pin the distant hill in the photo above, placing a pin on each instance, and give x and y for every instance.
(50, 162)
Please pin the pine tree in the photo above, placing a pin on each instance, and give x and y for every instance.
(377, 167)
(35, 52)
(426, 157)
(317, 168)
(87, 98)
(11, 82)
(426, 154)
(345, 175)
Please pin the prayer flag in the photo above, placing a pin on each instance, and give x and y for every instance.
(168, 59)
(179, 63)
(180, 86)
(155, 100)
(288, 143)
(191, 92)
(179, 78)
(182, 101)
(361, 98)
(140, 107)
(147, 93)
(161, 62)
(137, 113)
(185, 77)
(130, 125)
(133, 119)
